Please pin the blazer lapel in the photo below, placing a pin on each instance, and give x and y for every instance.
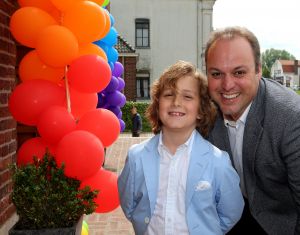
(197, 166)
(252, 134)
(150, 163)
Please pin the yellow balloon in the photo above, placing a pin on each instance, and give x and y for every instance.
(84, 231)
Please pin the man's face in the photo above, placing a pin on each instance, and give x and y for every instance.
(232, 80)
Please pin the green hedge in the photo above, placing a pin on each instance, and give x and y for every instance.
(126, 115)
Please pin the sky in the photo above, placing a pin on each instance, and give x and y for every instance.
(275, 23)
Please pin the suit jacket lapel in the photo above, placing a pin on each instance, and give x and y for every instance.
(197, 166)
(252, 134)
(150, 162)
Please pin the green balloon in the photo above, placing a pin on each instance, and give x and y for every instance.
(105, 3)
(85, 225)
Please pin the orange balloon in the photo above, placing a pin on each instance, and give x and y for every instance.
(91, 49)
(99, 2)
(107, 23)
(45, 5)
(27, 22)
(31, 67)
(57, 46)
(86, 20)
(64, 5)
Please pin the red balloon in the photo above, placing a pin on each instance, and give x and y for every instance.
(82, 102)
(55, 123)
(101, 122)
(32, 147)
(82, 152)
(89, 74)
(106, 182)
(32, 97)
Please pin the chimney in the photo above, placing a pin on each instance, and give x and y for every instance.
(296, 67)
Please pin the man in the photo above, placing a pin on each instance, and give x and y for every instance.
(136, 122)
(259, 126)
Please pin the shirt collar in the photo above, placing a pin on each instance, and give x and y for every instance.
(188, 143)
(242, 118)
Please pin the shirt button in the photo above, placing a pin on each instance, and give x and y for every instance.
(147, 220)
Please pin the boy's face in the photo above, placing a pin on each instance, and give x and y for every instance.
(178, 109)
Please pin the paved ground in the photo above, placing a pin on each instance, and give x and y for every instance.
(114, 223)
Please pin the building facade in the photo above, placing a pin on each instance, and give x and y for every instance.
(162, 32)
(286, 72)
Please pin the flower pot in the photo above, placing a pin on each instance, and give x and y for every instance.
(75, 230)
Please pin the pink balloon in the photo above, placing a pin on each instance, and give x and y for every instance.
(106, 182)
(89, 74)
(32, 97)
(32, 147)
(101, 122)
(55, 123)
(81, 152)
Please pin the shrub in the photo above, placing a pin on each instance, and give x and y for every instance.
(45, 198)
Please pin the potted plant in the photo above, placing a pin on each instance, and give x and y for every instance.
(47, 201)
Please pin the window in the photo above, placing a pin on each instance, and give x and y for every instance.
(143, 86)
(142, 37)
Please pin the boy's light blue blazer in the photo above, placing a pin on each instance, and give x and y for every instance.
(213, 199)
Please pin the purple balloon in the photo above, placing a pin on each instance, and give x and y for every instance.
(118, 69)
(113, 84)
(121, 84)
(115, 98)
(122, 125)
(120, 115)
(123, 101)
(115, 109)
(101, 100)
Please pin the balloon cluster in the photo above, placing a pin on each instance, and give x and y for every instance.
(60, 80)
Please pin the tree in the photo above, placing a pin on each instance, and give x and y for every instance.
(270, 56)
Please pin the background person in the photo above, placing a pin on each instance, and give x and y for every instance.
(177, 182)
(259, 125)
(136, 122)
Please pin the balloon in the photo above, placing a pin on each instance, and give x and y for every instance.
(32, 147)
(103, 45)
(82, 102)
(57, 46)
(112, 55)
(107, 24)
(27, 22)
(121, 84)
(89, 73)
(82, 152)
(54, 123)
(112, 20)
(106, 182)
(91, 49)
(99, 2)
(31, 67)
(64, 5)
(111, 38)
(85, 225)
(86, 20)
(113, 84)
(118, 69)
(115, 109)
(84, 231)
(101, 100)
(45, 5)
(116, 98)
(102, 123)
(105, 3)
(31, 98)
(122, 124)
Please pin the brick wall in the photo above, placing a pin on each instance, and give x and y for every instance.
(129, 76)
(8, 135)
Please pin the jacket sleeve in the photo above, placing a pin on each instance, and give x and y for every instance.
(126, 188)
(230, 202)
